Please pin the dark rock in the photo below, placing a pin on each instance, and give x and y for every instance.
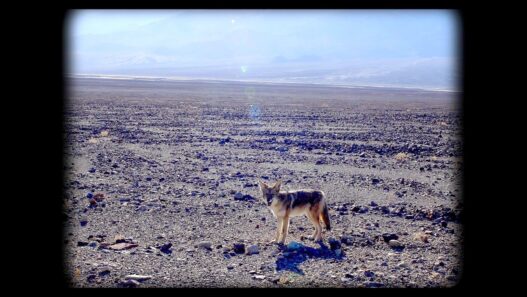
(92, 170)
(363, 209)
(239, 248)
(82, 243)
(83, 223)
(165, 248)
(369, 273)
(347, 240)
(373, 204)
(375, 181)
(389, 236)
(334, 244)
(89, 195)
(104, 273)
(91, 278)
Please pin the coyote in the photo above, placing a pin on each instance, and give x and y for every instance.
(288, 204)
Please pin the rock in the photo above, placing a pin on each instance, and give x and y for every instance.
(122, 246)
(239, 248)
(260, 277)
(165, 248)
(375, 181)
(389, 236)
(138, 277)
(347, 240)
(402, 264)
(230, 266)
(373, 284)
(83, 223)
(253, 249)
(91, 278)
(421, 236)
(238, 196)
(396, 244)
(338, 252)
(119, 238)
(334, 244)
(129, 283)
(89, 195)
(92, 170)
(205, 245)
(98, 197)
(373, 204)
(104, 273)
(82, 243)
(369, 273)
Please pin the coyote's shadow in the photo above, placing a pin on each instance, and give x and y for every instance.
(290, 259)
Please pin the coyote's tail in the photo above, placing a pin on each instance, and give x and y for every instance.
(325, 217)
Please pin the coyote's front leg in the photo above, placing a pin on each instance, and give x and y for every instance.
(278, 230)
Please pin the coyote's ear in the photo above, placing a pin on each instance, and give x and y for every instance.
(262, 185)
(277, 185)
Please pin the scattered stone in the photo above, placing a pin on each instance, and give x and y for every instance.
(83, 223)
(205, 245)
(91, 278)
(138, 277)
(347, 240)
(334, 244)
(119, 238)
(165, 248)
(98, 197)
(389, 236)
(259, 277)
(373, 285)
(82, 243)
(129, 283)
(239, 248)
(421, 236)
(253, 249)
(122, 246)
(369, 273)
(238, 196)
(395, 244)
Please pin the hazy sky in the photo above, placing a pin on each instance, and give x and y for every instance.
(120, 40)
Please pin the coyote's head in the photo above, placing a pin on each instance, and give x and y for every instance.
(268, 192)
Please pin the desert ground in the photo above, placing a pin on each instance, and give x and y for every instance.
(160, 184)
